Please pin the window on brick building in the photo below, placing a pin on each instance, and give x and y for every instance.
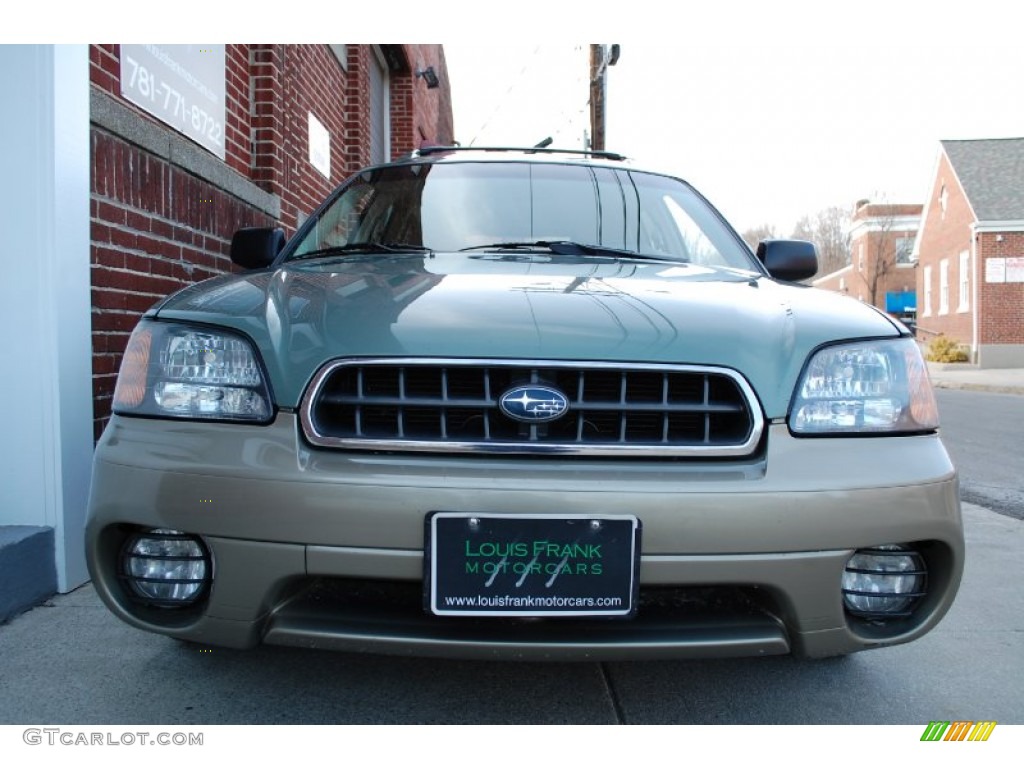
(904, 250)
(380, 108)
(965, 281)
(860, 257)
(944, 287)
(927, 280)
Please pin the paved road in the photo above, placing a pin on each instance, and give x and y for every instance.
(73, 662)
(984, 434)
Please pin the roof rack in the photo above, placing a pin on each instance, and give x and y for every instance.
(439, 148)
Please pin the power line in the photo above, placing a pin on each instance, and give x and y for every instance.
(501, 102)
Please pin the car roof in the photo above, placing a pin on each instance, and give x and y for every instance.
(445, 154)
(533, 152)
(441, 154)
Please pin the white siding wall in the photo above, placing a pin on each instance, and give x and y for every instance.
(46, 387)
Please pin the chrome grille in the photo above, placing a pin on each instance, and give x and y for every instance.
(452, 405)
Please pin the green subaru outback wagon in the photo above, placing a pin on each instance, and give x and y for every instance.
(523, 404)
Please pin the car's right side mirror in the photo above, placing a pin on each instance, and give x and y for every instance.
(788, 259)
(256, 247)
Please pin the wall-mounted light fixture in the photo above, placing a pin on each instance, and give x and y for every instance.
(430, 76)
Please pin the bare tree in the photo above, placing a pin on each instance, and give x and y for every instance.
(804, 229)
(829, 230)
(755, 235)
(881, 249)
(833, 233)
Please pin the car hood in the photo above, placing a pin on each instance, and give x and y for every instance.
(533, 307)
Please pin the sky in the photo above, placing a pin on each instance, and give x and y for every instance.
(768, 132)
(773, 109)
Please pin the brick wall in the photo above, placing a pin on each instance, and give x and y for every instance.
(419, 114)
(266, 117)
(155, 229)
(838, 281)
(851, 281)
(945, 234)
(293, 81)
(159, 224)
(1000, 305)
(876, 230)
(237, 123)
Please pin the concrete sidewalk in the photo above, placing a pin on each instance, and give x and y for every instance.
(966, 376)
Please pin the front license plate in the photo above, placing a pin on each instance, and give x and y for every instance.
(531, 565)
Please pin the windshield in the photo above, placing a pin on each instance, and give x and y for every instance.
(464, 206)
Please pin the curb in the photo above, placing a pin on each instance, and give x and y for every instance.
(996, 388)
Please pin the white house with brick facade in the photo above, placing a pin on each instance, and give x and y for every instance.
(970, 250)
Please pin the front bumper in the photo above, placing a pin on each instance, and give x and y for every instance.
(325, 548)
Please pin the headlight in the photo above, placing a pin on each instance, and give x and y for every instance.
(865, 387)
(191, 373)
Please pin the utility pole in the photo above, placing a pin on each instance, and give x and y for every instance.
(601, 58)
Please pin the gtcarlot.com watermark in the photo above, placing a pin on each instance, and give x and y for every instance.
(69, 738)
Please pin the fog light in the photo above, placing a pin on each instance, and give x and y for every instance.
(166, 568)
(884, 582)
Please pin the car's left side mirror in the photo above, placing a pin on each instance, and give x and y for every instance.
(788, 259)
(256, 247)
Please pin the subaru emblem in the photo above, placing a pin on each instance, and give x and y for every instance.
(533, 403)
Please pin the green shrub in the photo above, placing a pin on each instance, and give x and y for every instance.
(943, 349)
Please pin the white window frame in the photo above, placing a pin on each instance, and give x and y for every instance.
(927, 279)
(944, 287)
(964, 278)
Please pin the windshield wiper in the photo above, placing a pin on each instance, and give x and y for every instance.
(336, 250)
(572, 248)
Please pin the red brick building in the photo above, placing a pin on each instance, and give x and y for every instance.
(180, 162)
(882, 266)
(971, 251)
